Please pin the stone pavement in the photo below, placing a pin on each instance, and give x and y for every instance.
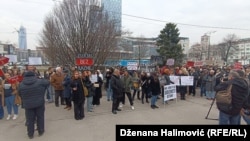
(100, 125)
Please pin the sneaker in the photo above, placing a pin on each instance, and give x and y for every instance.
(121, 105)
(8, 117)
(132, 107)
(155, 106)
(15, 117)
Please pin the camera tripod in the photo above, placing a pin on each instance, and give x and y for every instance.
(210, 110)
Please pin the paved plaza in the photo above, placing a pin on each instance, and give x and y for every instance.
(99, 125)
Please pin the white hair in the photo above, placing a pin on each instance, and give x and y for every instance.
(58, 68)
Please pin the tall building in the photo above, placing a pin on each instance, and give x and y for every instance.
(22, 39)
(114, 10)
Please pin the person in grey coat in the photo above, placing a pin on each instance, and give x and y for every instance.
(32, 92)
(210, 84)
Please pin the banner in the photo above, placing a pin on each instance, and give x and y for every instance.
(170, 92)
(175, 79)
(187, 80)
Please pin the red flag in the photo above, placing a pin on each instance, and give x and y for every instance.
(3, 60)
(1, 73)
(15, 79)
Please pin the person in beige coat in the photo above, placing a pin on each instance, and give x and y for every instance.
(57, 82)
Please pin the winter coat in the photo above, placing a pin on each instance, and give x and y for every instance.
(210, 82)
(56, 81)
(127, 83)
(155, 86)
(66, 86)
(117, 86)
(32, 91)
(239, 93)
(78, 94)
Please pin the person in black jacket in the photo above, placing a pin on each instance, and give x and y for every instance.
(117, 88)
(78, 97)
(32, 92)
(230, 115)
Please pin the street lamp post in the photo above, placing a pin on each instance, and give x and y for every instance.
(209, 46)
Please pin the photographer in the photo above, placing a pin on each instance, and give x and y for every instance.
(231, 115)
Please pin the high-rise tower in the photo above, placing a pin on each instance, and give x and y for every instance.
(114, 10)
(22, 40)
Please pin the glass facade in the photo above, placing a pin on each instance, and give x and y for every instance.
(114, 10)
(22, 40)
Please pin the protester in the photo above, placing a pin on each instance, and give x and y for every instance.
(117, 88)
(56, 81)
(32, 92)
(78, 97)
(127, 84)
(9, 91)
(67, 90)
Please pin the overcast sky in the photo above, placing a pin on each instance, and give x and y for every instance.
(193, 18)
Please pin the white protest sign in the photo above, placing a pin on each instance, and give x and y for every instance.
(12, 58)
(93, 78)
(35, 61)
(187, 80)
(169, 92)
(175, 79)
(132, 66)
(170, 62)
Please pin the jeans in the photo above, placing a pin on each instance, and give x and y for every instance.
(109, 94)
(89, 103)
(153, 99)
(225, 119)
(1, 108)
(10, 103)
(246, 119)
(203, 90)
(210, 94)
(50, 93)
(1, 111)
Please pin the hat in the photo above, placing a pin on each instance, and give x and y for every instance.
(29, 73)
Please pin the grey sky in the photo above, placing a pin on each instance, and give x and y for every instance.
(212, 13)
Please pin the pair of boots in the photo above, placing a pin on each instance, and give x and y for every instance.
(143, 101)
(67, 107)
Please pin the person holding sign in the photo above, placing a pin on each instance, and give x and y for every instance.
(167, 81)
(182, 88)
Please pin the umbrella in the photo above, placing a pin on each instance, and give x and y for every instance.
(3, 60)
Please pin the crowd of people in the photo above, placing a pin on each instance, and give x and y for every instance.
(71, 88)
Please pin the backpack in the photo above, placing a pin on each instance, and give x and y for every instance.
(224, 98)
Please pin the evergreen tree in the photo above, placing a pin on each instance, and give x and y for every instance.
(168, 42)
